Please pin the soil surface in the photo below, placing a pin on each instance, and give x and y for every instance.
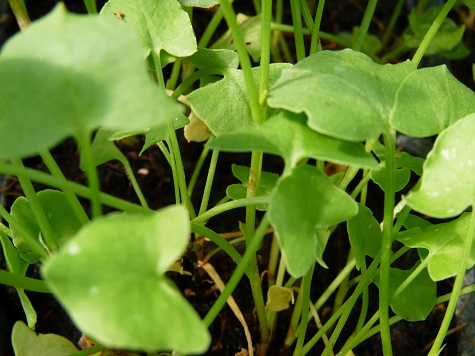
(156, 182)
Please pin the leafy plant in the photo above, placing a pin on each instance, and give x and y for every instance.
(100, 79)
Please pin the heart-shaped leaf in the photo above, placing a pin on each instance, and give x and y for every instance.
(445, 243)
(28, 343)
(447, 186)
(160, 25)
(302, 202)
(110, 278)
(344, 93)
(279, 298)
(287, 135)
(62, 77)
(224, 105)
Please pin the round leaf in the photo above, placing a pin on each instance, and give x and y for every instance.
(302, 202)
(62, 77)
(110, 277)
(447, 186)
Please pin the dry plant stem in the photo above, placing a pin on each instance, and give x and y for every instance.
(21, 15)
(231, 302)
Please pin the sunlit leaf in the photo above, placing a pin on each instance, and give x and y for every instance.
(28, 343)
(445, 243)
(302, 202)
(69, 74)
(224, 105)
(110, 278)
(447, 186)
(160, 25)
(344, 93)
(287, 135)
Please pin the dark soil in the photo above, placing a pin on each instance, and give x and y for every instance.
(156, 182)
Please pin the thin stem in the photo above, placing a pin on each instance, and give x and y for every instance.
(211, 28)
(432, 31)
(363, 30)
(266, 18)
(91, 6)
(298, 34)
(209, 182)
(449, 313)
(392, 22)
(386, 243)
(197, 170)
(188, 82)
(20, 13)
(316, 45)
(17, 281)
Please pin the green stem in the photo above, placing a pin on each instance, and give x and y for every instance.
(70, 196)
(91, 6)
(305, 290)
(211, 28)
(298, 34)
(363, 30)
(221, 208)
(315, 45)
(197, 170)
(63, 184)
(209, 182)
(17, 281)
(266, 18)
(246, 66)
(242, 267)
(386, 243)
(133, 181)
(20, 13)
(449, 313)
(432, 31)
(84, 140)
(392, 22)
(47, 233)
(188, 82)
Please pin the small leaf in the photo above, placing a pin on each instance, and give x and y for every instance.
(162, 25)
(110, 278)
(417, 300)
(430, 100)
(66, 67)
(214, 58)
(445, 245)
(28, 343)
(447, 186)
(302, 202)
(239, 191)
(224, 105)
(279, 298)
(287, 135)
(401, 178)
(365, 235)
(344, 93)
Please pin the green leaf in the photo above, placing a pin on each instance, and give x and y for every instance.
(199, 3)
(429, 100)
(401, 178)
(62, 77)
(160, 25)
(417, 300)
(302, 202)
(110, 278)
(365, 235)
(18, 265)
(344, 93)
(445, 243)
(214, 58)
(28, 343)
(447, 37)
(239, 191)
(447, 185)
(470, 4)
(287, 135)
(224, 105)
(61, 217)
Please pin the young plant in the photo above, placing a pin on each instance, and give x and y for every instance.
(101, 78)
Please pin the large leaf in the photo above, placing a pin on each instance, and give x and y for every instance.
(110, 278)
(28, 343)
(61, 217)
(160, 25)
(344, 93)
(445, 243)
(429, 100)
(224, 105)
(303, 202)
(287, 135)
(447, 186)
(62, 76)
